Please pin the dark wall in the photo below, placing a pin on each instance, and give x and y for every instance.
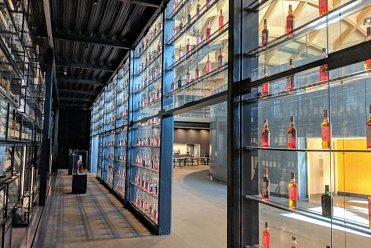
(193, 136)
(74, 132)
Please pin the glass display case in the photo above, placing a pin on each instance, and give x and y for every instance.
(3, 200)
(196, 51)
(108, 157)
(3, 117)
(14, 124)
(122, 113)
(6, 153)
(18, 158)
(144, 136)
(12, 194)
(303, 111)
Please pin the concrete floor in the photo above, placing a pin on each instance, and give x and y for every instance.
(98, 219)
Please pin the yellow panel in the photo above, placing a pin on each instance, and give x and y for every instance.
(352, 168)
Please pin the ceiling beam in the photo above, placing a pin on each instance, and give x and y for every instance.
(147, 3)
(85, 66)
(77, 99)
(80, 81)
(92, 40)
(78, 92)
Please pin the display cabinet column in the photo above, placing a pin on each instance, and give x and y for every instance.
(45, 146)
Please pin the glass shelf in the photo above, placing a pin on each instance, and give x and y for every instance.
(218, 35)
(143, 189)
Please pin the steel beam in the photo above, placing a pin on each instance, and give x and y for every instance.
(146, 3)
(77, 92)
(77, 99)
(80, 81)
(85, 66)
(93, 40)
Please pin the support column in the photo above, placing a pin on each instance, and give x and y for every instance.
(46, 138)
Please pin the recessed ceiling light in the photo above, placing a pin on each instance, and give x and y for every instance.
(367, 21)
(65, 72)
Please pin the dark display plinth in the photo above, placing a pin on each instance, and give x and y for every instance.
(79, 184)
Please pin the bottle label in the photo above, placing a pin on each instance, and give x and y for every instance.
(265, 88)
(326, 136)
(264, 188)
(323, 73)
(293, 196)
(291, 140)
(368, 135)
(265, 139)
(322, 7)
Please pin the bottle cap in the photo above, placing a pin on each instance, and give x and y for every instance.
(369, 109)
(292, 118)
(368, 30)
(325, 113)
(265, 170)
(265, 121)
(327, 188)
(290, 7)
(293, 238)
(292, 175)
(290, 62)
(265, 21)
(266, 224)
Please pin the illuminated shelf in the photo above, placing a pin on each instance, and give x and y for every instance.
(149, 63)
(312, 87)
(148, 105)
(315, 24)
(304, 210)
(145, 214)
(149, 83)
(195, 19)
(144, 190)
(199, 47)
(146, 168)
(200, 79)
(151, 42)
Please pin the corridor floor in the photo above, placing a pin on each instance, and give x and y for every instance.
(98, 219)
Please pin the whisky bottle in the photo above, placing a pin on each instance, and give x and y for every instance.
(198, 37)
(293, 245)
(197, 72)
(323, 69)
(291, 134)
(265, 35)
(180, 52)
(265, 136)
(265, 85)
(188, 77)
(264, 185)
(326, 131)
(221, 19)
(208, 32)
(179, 82)
(208, 64)
(290, 19)
(368, 128)
(326, 201)
(290, 79)
(266, 240)
(220, 59)
(188, 46)
(322, 7)
(367, 63)
(198, 8)
(293, 192)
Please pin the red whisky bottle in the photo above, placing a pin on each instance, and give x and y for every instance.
(326, 131)
(323, 69)
(367, 63)
(291, 134)
(221, 19)
(290, 20)
(265, 135)
(265, 35)
(293, 192)
(198, 37)
(208, 64)
(264, 185)
(208, 31)
(265, 85)
(198, 7)
(290, 79)
(266, 240)
(368, 128)
(220, 59)
(322, 7)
